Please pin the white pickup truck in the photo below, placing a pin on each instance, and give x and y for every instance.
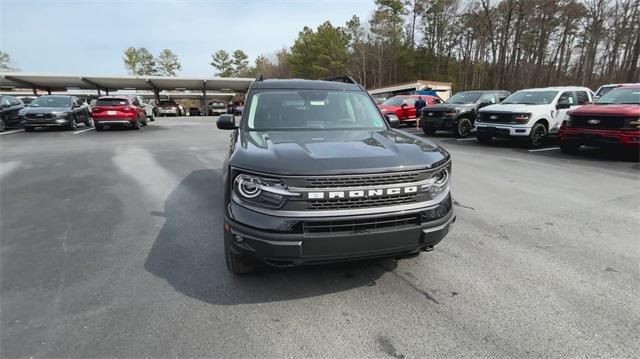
(530, 114)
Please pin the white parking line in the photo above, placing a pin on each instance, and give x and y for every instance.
(85, 130)
(10, 132)
(545, 149)
(466, 139)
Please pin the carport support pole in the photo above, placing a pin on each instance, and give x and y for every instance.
(107, 91)
(48, 91)
(35, 91)
(203, 103)
(157, 93)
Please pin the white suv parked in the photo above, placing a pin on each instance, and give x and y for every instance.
(148, 108)
(530, 114)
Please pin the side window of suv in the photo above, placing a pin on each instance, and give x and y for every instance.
(14, 101)
(5, 102)
(568, 98)
(583, 97)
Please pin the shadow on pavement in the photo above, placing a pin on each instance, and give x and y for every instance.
(188, 254)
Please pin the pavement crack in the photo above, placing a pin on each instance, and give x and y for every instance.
(416, 288)
(456, 203)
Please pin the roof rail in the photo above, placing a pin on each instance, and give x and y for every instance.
(345, 79)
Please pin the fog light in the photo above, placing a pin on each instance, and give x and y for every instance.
(61, 121)
(238, 239)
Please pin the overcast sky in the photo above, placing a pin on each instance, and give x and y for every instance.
(89, 36)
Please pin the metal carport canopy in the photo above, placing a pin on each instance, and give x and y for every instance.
(153, 83)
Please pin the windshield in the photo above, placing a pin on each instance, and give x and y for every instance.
(604, 90)
(312, 109)
(51, 101)
(167, 103)
(531, 98)
(217, 105)
(394, 101)
(621, 95)
(465, 97)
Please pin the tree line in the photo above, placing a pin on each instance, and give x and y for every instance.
(502, 44)
(140, 61)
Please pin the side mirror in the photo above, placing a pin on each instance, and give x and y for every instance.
(403, 105)
(563, 105)
(226, 122)
(6, 105)
(484, 104)
(392, 120)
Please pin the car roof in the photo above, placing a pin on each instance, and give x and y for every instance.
(558, 88)
(114, 96)
(634, 86)
(305, 85)
(618, 85)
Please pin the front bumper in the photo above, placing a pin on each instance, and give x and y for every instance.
(501, 130)
(278, 244)
(438, 123)
(53, 122)
(217, 112)
(595, 137)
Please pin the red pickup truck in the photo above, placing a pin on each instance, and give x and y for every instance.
(403, 106)
(614, 119)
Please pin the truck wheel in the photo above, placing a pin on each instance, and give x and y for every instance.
(484, 139)
(464, 127)
(236, 264)
(429, 131)
(537, 136)
(569, 147)
(72, 124)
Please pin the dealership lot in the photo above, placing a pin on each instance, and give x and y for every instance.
(111, 246)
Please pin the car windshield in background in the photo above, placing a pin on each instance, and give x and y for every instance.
(620, 95)
(531, 98)
(312, 109)
(465, 97)
(604, 90)
(167, 103)
(394, 101)
(112, 102)
(217, 105)
(51, 101)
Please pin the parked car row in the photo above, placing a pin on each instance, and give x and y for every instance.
(576, 114)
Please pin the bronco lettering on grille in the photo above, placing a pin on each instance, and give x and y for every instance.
(394, 191)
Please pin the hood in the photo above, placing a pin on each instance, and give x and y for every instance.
(333, 152)
(622, 110)
(452, 107)
(44, 109)
(512, 108)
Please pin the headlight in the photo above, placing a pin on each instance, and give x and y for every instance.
(439, 181)
(451, 113)
(521, 117)
(634, 122)
(265, 192)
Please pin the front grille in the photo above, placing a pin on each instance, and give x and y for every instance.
(358, 181)
(361, 225)
(351, 203)
(605, 122)
(495, 117)
(40, 116)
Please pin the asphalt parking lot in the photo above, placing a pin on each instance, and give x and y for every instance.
(111, 246)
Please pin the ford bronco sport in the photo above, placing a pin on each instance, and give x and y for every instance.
(314, 174)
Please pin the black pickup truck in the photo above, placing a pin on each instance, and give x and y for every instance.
(315, 174)
(458, 113)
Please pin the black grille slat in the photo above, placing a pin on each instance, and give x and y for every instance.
(606, 122)
(350, 203)
(356, 181)
(39, 116)
(500, 117)
(359, 225)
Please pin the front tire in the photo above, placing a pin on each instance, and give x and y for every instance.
(464, 127)
(537, 136)
(73, 125)
(429, 131)
(236, 264)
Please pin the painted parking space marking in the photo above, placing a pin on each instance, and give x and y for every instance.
(545, 149)
(10, 132)
(85, 130)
